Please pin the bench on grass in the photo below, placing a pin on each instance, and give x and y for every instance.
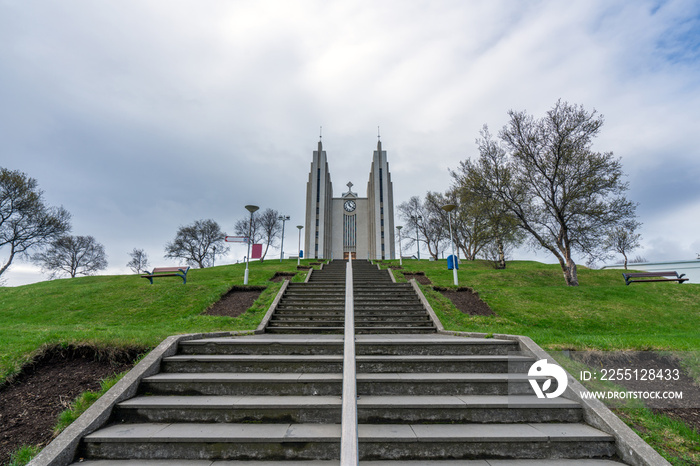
(168, 272)
(654, 277)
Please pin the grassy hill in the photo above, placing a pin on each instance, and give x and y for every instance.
(123, 311)
(528, 298)
(531, 298)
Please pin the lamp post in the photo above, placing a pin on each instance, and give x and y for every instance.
(449, 208)
(416, 219)
(251, 209)
(400, 258)
(299, 227)
(284, 218)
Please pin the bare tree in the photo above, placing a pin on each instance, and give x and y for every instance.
(26, 222)
(139, 261)
(424, 216)
(195, 243)
(72, 255)
(271, 227)
(545, 173)
(266, 229)
(623, 239)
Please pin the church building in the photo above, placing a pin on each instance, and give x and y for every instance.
(349, 225)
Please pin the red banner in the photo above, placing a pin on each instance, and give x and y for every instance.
(256, 252)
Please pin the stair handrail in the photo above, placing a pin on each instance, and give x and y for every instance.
(349, 448)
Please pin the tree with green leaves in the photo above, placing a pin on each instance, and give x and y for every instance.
(566, 196)
(26, 222)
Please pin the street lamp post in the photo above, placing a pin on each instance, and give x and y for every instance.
(449, 208)
(299, 251)
(251, 209)
(400, 258)
(417, 218)
(284, 218)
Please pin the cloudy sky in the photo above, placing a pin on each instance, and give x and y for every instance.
(139, 116)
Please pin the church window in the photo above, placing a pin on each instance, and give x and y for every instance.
(381, 187)
(318, 186)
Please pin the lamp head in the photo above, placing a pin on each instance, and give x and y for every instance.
(251, 208)
(449, 207)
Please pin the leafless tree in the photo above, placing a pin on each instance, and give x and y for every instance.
(139, 261)
(266, 228)
(26, 222)
(566, 196)
(424, 216)
(198, 243)
(72, 255)
(624, 239)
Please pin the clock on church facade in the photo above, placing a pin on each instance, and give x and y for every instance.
(349, 225)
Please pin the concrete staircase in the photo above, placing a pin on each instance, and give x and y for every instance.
(423, 398)
(317, 306)
(382, 306)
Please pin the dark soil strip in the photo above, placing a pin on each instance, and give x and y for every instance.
(30, 405)
(282, 276)
(418, 276)
(467, 301)
(236, 301)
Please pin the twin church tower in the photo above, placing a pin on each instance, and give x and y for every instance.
(349, 225)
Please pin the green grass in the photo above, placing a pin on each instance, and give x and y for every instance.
(123, 311)
(24, 455)
(531, 298)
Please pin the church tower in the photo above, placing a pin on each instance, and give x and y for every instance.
(350, 226)
(380, 194)
(319, 193)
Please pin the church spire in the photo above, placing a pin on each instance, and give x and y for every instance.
(379, 141)
(320, 137)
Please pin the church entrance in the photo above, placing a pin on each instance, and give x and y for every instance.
(346, 255)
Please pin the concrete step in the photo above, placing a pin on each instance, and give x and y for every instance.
(252, 363)
(219, 441)
(278, 384)
(304, 330)
(396, 383)
(297, 322)
(431, 345)
(467, 441)
(393, 330)
(264, 344)
(489, 462)
(233, 441)
(326, 409)
(477, 364)
(308, 314)
(232, 409)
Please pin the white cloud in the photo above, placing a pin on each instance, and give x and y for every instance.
(140, 116)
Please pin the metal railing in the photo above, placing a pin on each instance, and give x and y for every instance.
(349, 450)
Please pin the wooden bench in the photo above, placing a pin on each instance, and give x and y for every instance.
(654, 277)
(168, 272)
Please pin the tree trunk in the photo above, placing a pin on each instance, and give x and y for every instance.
(501, 255)
(625, 256)
(570, 273)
